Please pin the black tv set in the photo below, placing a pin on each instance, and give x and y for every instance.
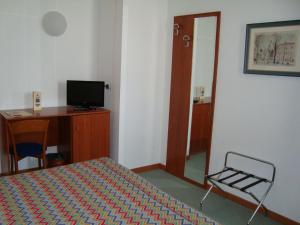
(85, 94)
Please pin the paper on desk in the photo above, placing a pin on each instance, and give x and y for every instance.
(18, 113)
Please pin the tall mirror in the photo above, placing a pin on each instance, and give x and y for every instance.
(199, 129)
(192, 97)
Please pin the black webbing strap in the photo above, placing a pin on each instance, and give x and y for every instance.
(253, 184)
(212, 175)
(230, 176)
(240, 180)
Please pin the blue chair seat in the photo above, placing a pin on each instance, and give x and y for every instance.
(28, 149)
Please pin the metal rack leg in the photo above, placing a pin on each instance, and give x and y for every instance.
(253, 215)
(205, 196)
(258, 201)
(260, 204)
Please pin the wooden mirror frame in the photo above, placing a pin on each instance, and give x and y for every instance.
(180, 97)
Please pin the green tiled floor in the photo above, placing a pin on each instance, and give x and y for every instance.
(218, 208)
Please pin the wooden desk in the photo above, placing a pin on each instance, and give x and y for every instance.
(201, 127)
(78, 135)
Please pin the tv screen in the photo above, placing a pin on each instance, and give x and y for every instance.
(85, 93)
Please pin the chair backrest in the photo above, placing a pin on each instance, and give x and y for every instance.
(29, 131)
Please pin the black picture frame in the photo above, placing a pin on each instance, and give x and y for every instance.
(267, 45)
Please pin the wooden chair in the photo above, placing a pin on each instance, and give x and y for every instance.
(28, 138)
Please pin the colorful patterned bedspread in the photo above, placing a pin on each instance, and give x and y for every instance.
(93, 192)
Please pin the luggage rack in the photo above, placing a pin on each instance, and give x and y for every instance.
(217, 178)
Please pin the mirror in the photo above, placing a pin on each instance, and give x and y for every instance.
(199, 128)
(54, 23)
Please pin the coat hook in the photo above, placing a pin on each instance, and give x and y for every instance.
(176, 29)
(186, 38)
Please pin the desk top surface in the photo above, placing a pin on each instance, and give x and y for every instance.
(206, 100)
(48, 112)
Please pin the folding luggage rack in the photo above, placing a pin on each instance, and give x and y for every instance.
(217, 178)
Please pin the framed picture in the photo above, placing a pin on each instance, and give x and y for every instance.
(273, 48)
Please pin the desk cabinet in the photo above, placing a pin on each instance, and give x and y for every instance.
(79, 136)
(90, 138)
(201, 126)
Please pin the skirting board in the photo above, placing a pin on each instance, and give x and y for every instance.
(272, 215)
(149, 168)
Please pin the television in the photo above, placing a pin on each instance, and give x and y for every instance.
(85, 94)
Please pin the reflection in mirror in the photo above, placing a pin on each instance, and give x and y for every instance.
(201, 92)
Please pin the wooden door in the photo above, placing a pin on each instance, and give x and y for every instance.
(180, 94)
(90, 139)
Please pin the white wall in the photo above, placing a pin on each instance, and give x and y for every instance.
(110, 41)
(254, 114)
(142, 82)
(32, 60)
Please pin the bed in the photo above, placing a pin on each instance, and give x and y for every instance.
(93, 192)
